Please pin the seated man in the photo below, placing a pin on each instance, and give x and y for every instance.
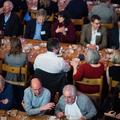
(74, 105)
(39, 28)
(36, 98)
(6, 95)
(94, 35)
(9, 21)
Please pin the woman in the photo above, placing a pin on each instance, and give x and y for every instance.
(114, 70)
(64, 28)
(15, 57)
(91, 69)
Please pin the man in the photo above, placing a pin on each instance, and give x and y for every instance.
(94, 35)
(36, 98)
(9, 22)
(6, 95)
(105, 11)
(77, 9)
(74, 105)
(38, 29)
(49, 61)
(114, 37)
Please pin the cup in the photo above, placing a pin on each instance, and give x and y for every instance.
(3, 117)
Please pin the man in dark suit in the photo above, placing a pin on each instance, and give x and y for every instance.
(114, 39)
(9, 22)
(77, 9)
(94, 35)
(38, 29)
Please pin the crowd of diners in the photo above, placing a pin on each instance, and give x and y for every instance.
(35, 99)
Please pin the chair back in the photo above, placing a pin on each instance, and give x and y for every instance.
(113, 83)
(95, 85)
(108, 25)
(33, 13)
(52, 81)
(16, 70)
(78, 22)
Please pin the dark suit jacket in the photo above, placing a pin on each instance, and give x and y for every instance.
(114, 38)
(30, 30)
(86, 35)
(77, 9)
(115, 1)
(13, 26)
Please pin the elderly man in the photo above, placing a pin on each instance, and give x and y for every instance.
(38, 29)
(6, 95)
(36, 98)
(73, 105)
(94, 35)
(9, 22)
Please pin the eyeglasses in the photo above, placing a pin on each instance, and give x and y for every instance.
(97, 23)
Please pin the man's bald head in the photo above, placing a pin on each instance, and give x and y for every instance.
(36, 86)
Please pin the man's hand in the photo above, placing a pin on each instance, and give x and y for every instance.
(4, 101)
(82, 118)
(91, 46)
(60, 114)
(47, 106)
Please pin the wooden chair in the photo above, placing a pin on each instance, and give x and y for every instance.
(78, 22)
(52, 81)
(98, 82)
(95, 93)
(16, 70)
(33, 13)
(108, 25)
(113, 83)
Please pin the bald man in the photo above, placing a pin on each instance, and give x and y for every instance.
(36, 98)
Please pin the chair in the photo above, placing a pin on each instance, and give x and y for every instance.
(78, 22)
(16, 70)
(33, 13)
(108, 25)
(52, 81)
(96, 84)
(113, 83)
(92, 88)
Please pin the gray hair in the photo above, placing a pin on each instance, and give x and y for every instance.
(42, 12)
(116, 57)
(2, 80)
(10, 3)
(71, 89)
(92, 56)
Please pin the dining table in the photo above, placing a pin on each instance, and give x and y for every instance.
(20, 115)
(68, 51)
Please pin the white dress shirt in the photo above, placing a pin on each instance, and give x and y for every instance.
(93, 38)
(51, 63)
(72, 111)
